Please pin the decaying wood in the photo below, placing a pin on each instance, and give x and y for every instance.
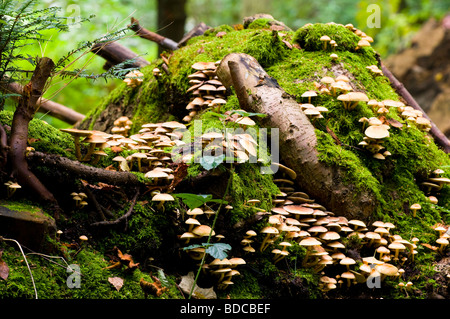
(79, 170)
(438, 136)
(196, 31)
(152, 36)
(23, 114)
(46, 106)
(297, 139)
(115, 53)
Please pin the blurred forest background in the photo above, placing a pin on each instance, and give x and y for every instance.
(400, 20)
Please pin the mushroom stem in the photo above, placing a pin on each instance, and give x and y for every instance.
(263, 244)
(91, 149)
(76, 142)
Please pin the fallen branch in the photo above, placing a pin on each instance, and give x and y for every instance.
(79, 170)
(152, 36)
(49, 107)
(115, 53)
(121, 218)
(438, 136)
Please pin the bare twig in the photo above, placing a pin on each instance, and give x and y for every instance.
(121, 218)
(26, 261)
(152, 36)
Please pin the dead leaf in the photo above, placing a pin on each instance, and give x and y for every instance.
(4, 269)
(429, 246)
(117, 282)
(155, 288)
(200, 293)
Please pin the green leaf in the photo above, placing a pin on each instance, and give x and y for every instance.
(218, 250)
(197, 200)
(192, 200)
(162, 278)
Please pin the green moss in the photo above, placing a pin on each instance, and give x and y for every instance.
(44, 137)
(308, 37)
(245, 177)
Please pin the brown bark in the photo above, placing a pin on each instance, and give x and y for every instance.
(196, 31)
(115, 53)
(297, 139)
(438, 136)
(78, 170)
(24, 113)
(49, 107)
(152, 36)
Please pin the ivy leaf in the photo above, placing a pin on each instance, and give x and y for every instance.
(218, 250)
(192, 200)
(196, 200)
(210, 162)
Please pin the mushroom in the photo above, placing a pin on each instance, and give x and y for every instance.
(352, 99)
(386, 269)
(443, 242)
(12, 187)
(396, 246)
(414, 208)
(349, 276)
(203, 230)
(347, 261)
(309, 243)
(309, 94)
(325, 39)
(270, 231)
(76, 134)
(162, 198)
(95, 140)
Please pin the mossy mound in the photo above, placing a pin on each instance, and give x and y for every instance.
(297, 61)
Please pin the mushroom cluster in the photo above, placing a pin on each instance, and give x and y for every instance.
(297, 220)
(375, 134)
(206, 89)
(80, 199)
(134, 78)
(222, 269)
(122, 126)
(443, 240)
(148, 154)
(241, 146)
(435, 181)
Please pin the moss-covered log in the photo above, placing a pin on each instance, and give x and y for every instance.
(297, 138)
